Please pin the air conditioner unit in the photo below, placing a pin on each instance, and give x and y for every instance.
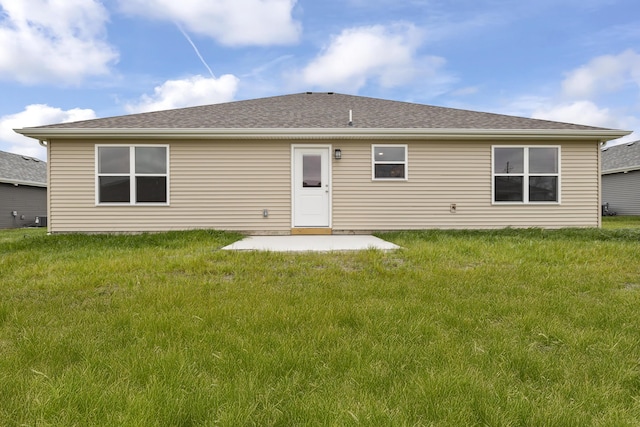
(41, 221)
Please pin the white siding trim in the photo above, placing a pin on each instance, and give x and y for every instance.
(132, 175)
(373, 162)
(525, 195)
(292, 183)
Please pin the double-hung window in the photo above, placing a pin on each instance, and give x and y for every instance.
(526, 174)
(389, 162)
(132, 175)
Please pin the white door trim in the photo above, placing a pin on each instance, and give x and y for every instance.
(328, 187)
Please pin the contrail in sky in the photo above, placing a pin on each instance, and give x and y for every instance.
(195, 48)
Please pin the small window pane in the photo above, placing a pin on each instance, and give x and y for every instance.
(151, 160)
(151, 189)
(543, 160)
(113, 159)
(389, 171)
(312, 170)
(114, 189)
(508, 160)
(389, 154)
(508, 188)
(543, 188)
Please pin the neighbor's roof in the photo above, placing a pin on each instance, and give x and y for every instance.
(22, 170)
(621, 158)
(313, 113)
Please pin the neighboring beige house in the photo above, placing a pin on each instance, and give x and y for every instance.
(320, 163)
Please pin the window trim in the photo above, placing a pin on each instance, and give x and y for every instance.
(131, 175)
(374, 162)
(526, 174)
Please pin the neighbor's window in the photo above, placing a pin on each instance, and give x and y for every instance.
(389, 162)
(132, 174)
(526, 174)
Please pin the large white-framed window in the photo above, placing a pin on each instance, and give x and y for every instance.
(132, 175)
(526, 174)
(389, 162)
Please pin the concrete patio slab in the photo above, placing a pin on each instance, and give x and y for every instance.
(310, 243)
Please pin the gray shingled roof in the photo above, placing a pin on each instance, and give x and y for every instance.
(18, 169)
(621, 157)
(318, 110)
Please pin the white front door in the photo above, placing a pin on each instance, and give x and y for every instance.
(311, 187)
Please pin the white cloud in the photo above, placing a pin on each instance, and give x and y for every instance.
(588, 113)
(53, 40)
(231, 22)
(35, 115)
(583, 94)
(387, 55)
(601, 93)
(580, 112)
(196, 90)
(603, 74)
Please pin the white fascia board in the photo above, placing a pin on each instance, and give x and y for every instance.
(621, 170)
(24, 183)
(45, 134)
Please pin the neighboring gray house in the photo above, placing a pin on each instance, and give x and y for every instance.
(320, 163)
(621, 178)
(23, 191)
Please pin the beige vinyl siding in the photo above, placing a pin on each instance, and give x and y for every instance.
(213, 184)
(226, 185)
(449, 172)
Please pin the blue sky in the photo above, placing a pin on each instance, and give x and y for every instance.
(568, 60)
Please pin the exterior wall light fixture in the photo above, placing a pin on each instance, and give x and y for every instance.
(337, 154)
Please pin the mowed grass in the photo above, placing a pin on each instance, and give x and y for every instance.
(497, 328)
(614, 222)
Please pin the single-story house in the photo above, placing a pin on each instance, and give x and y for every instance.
(320, 163)
(23, 191)
(621, 178)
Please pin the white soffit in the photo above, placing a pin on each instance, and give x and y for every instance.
(313, 133)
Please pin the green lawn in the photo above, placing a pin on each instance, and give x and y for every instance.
(497, 328)
(621, 222)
